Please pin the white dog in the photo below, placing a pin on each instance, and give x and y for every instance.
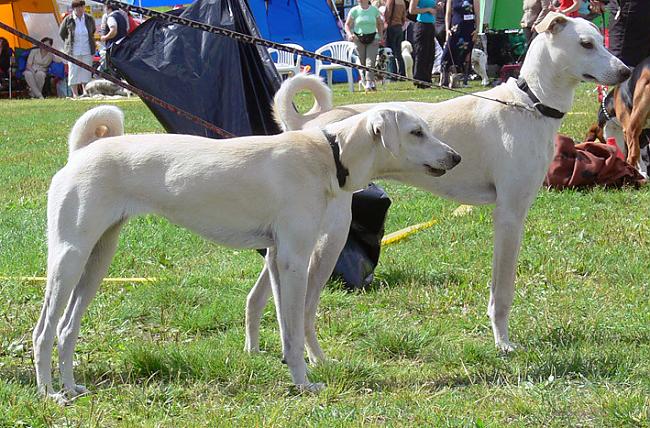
(105, 87)
(252, 192)
(407, 51)
(506, 151)
(479, 64)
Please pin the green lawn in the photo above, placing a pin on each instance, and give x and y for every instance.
(415, 350)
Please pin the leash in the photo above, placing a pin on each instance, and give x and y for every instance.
(245, 38)
(142, 94)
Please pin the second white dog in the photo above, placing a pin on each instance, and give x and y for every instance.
(252, 192)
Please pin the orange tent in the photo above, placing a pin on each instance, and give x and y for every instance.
(38, 18)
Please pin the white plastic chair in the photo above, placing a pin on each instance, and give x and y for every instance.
(342, 50)
(287, 63)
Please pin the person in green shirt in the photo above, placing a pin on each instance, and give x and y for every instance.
(364, 26)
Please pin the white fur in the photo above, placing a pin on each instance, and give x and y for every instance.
(105, 87)
(407, 51)
(506, 152)
(479, 64)
(252, 192)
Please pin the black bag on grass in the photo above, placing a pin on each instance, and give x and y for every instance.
(358, 260)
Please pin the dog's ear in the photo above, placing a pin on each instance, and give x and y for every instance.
(382, 123)
(553, 22)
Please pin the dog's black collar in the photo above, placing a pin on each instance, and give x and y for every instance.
(542, 108)
(341, 171)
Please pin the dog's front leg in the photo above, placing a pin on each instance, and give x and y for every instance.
(508, 220)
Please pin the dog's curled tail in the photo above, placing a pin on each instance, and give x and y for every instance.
(100, 122)
(283, 110)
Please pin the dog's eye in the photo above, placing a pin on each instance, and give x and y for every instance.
(587, 45)
(417, 133)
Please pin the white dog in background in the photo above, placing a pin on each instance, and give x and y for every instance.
(506, 151)
(253, 192)
(407, 51)
(105, 87)
(479, 64)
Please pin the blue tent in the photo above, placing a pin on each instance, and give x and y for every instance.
(309, 23)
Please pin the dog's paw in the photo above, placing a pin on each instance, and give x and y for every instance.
(507, 347)
(311, 388)
(68, 395)
(251, 348)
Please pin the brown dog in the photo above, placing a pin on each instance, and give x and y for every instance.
(624, 114)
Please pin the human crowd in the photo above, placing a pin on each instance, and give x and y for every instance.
(77, 31)
(455, 25)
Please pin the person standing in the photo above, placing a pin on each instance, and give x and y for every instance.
(395, 17)
(424, 47)
(534, 12)
(364, 26)
(78, 34)
(461, 24)
(38, 61)
(117, 26)
(629, 31)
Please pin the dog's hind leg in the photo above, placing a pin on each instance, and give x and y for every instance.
(65, 267)
(68, 328)
(508, 216)
(255, 303)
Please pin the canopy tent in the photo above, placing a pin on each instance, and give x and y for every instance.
(501, 14)
(38, 18)
(309, 23)
(506, 15)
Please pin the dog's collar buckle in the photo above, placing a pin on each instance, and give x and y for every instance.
(341, 171)
(542, 108)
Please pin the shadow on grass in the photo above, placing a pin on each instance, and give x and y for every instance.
(394, 277)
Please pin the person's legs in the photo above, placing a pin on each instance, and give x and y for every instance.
(394, 39)
(371, 58)
(361, 50)
(424, 51)
(39, 78)
(31, 84)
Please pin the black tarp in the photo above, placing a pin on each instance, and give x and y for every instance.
(227, 83)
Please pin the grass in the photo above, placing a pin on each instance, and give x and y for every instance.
(414, 350)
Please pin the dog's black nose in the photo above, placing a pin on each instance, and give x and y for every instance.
(624, 73)
(455, 158)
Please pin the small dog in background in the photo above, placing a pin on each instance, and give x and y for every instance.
(479, 64)
(407, 50)
(105, 87)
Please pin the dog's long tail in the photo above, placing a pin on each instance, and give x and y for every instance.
(285, 113)
(100, 122)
